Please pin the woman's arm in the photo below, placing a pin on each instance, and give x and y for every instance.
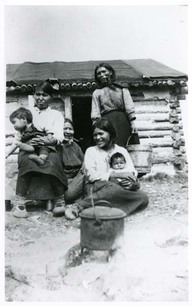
(95, 107)
(129, 108)
(96, 168)
(57, 127)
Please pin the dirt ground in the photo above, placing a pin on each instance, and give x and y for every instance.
(43, 261)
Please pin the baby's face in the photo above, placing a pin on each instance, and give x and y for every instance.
(118, 163)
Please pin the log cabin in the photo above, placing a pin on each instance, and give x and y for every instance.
(156, 90)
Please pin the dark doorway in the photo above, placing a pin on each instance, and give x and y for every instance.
(81, 110)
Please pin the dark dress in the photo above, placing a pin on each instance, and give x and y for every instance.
(40, 182)
(73, 157)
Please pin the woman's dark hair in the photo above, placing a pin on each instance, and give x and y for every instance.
(108, 67)
(115, 156)
(45, 87)
(106, 125)
(69, 121)
(21, 113)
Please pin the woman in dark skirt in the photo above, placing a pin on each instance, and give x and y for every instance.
(73, 158)
(48, 181)
(114, 102)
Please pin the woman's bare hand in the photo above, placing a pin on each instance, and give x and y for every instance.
(133, 127)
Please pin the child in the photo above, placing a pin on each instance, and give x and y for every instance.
(22, 121)
(118, 164)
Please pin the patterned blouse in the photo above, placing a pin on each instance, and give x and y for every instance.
(109, 99)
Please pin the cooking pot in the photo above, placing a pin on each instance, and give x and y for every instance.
(101, 225)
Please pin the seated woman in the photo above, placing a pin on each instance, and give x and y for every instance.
(98, 174)
(31, 175)
(73, 158)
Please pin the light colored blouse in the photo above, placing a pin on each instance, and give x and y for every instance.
(97, 165)
(107, 99)
(50, 121)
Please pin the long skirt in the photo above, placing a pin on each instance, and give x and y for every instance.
(128, 201)
(40, 182)
(122, 126)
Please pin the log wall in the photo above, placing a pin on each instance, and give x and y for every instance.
(159, 124)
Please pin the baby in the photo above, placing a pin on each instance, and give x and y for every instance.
(22, 121)
(118, 164)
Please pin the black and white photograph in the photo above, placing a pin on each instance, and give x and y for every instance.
(96, 149)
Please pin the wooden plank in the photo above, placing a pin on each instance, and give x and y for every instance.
(68, 107)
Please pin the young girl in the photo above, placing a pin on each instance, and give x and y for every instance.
(22, 121)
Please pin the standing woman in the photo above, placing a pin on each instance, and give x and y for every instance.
(44, 119)
(114, 102)
(98, 174)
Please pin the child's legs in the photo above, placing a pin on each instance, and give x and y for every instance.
(44, 152)
(40, 156)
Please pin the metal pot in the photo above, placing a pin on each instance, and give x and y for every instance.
(101, 226)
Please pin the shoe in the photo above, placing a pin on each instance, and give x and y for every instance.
(19, 211)
(59, 210)
(72, 212)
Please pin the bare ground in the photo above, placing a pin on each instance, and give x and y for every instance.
(43, 260)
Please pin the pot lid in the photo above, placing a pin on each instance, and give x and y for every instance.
(103, 213)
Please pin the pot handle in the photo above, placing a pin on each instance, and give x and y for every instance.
(103, 203)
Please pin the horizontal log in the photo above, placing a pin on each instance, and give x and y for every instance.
(156, 117)
(144, 110)
(157, 134)
(150, 125)
(142, 107)
(148, 103)
(157, 142)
